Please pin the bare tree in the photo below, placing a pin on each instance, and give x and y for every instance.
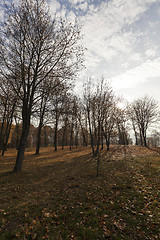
(58, 99)
(41, 113)
(109, 120)
(65, 120)
(32, 47)
(121, 122)
(81, 115)
(132, 118)
(8, 102)
(145, 112)
(96, 104)
(87, 102)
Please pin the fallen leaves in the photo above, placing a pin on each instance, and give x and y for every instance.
(63, 199)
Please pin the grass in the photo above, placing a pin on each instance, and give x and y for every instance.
(57, 196)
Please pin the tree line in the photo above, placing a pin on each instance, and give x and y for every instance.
(40, 57)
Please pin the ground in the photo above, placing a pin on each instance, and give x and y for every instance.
(58, 196)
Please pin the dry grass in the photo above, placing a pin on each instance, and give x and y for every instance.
(57, 196)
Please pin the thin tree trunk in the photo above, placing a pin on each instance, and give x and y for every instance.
(136, 138)
(135, 134)
(64, 132)
(55, 134)
(38, 143)
(71, 137)
(45, 137)
(83, 133)
(8, 129)
(108, 141)
(76, 134)
(7, 134)
(42, 112)
(102, 134)
(91, 135)
(76, 139)
(2, 128)
(98, 138)
(17, 134)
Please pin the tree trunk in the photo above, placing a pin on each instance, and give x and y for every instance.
(71, 138)
(107, 138)
(42, 112)
(91, 135)
(17, 135)
(144, 138)
(6, 138)
(21, 148)
(76, 134)
(102, 134)
(141, 139)
(45, 137)
(2, 129)
(76, 139)
(136, 138)
(55, 134)
(26, 116)
(8, 129)
(135, 134)
(98, 137)
(38, 143)
(64, 132)
(83, 133)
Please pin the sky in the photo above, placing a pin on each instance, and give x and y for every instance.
(122, 38)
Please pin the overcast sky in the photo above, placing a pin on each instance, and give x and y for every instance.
(122, 38)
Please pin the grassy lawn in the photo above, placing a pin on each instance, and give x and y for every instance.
(57, 196)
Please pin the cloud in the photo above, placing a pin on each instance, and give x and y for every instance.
(150, 52)
(116, 39)
(83, 6)
(74, 2)
(71, 16)
(138, 75)
(54, 6)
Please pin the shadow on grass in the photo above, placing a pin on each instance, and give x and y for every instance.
(157, 150)
(8, 173)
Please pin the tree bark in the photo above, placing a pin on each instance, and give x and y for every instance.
(144, 138)
(17, 133)
(90, 131)
(42, 112)
(2, 128)
(55, 134)
(83, 133)
(26, 116)
(98, 137)
(38, 143)
(140, 133)
(5, 141)
(8, 129)
(45, 138)
(21, 148)
(64, 132)
(102, 134)
(71, 137)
